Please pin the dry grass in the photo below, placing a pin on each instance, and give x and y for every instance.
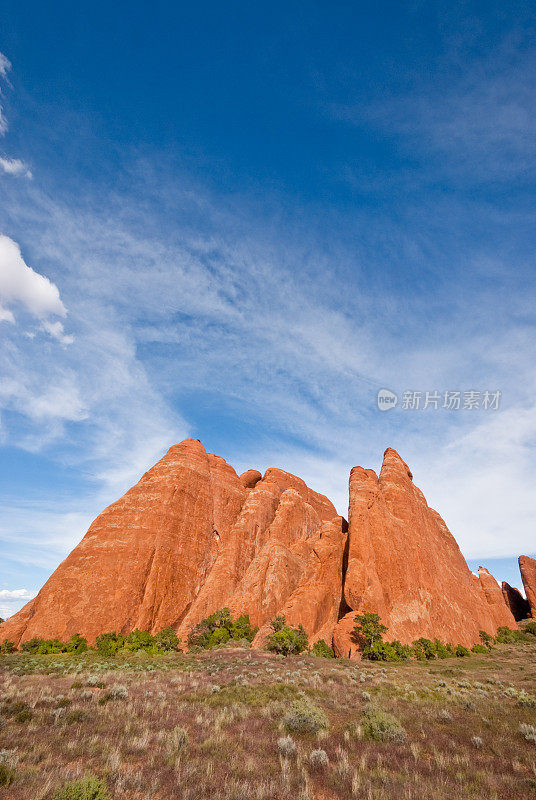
(213, 726)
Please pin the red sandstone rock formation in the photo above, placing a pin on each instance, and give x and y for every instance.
(404, 565)
(500, 611)
(189, 538)
(527, 567)
(192, 536)
(515, 601)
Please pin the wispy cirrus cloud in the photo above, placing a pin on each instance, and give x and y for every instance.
(15, 167)
(10, 166)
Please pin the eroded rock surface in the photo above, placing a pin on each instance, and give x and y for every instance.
(192, 536)
(527, 567)
(404, 564)
(515, 601)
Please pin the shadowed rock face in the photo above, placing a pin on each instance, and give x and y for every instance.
(404, 564)
(192, 536)
(527, 567)
(515, 601)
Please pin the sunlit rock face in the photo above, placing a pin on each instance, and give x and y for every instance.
(404, 564)
(192, 536)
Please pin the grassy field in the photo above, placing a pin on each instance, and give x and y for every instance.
(240, 724)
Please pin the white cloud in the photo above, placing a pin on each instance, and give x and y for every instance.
(11, 600)
(15, 167)
(16, 594)
(55, 329)
(21, 285)
(5, 66)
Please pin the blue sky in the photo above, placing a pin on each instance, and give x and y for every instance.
(238, 223)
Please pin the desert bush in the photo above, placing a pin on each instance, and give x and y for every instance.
(286, 746)
(8, 763)
(379, 726)
(322, 649)
(107, 644)
(177, 741)
(7, 647)
(486, 639)
(88, 788)
(530, 627)
(304, 716)
(76, 644)
(286, 640)
(368, 629)
(462, 652)
(318, 760)
(17, 710)
(139, 640)
(219, 628)
(167, 640)
(479, 648)
(7, 774)
(423, 649)
(117, 692)
(506, 635)
(38, 646)
(477, 742)
(528, 732)
(526, 700)
(444, 715)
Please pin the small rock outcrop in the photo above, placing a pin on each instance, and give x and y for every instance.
(527, 567)
(515, 601)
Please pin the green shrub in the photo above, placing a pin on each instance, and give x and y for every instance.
(486, 639)
(38, 646)
(479, 648)
(84, 789)
(167, 640)
(7, 647)
(286, 640)
(304, 716)
(76, 644)
(219, 628)
(462, 651)
(506, 635)
(107, 644)
(17, 710)
(368, 629)
(322, 650)
(423, 649)
(138, 640)
(379, 726)
(530, 627)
